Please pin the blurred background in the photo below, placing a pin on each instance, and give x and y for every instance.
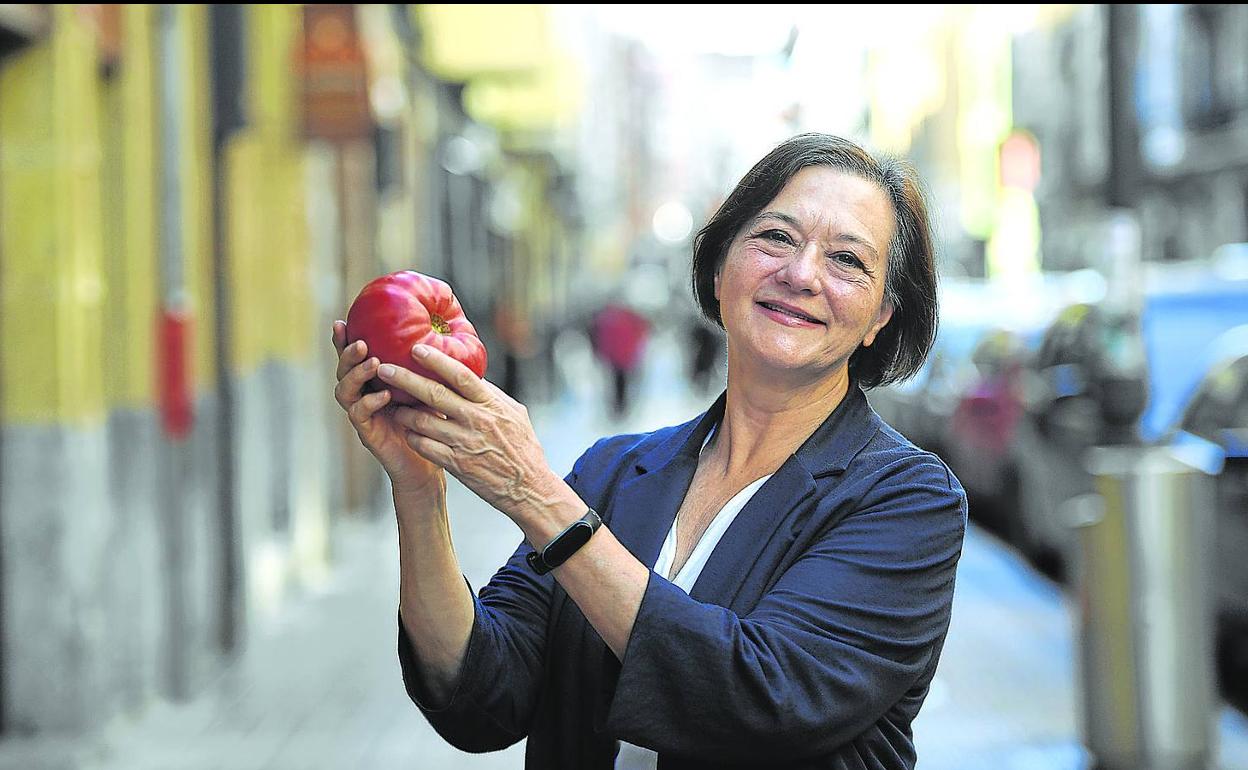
(197, 560)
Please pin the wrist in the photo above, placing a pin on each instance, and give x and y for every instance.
(565, 544)
(549, 513)
(419, 504)
(423, 487)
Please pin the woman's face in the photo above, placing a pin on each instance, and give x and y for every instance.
(802, 285)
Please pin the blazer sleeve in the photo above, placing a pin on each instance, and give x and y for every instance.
(840, 638)
(500, 678)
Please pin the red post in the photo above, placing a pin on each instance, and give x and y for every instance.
(174, 385)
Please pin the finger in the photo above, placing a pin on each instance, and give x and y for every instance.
(352, 355)
(363, 409)
(339, 336)
(409, 416)
(429, 392)
(425, 422)
(432, 450)
(460, 378)
(348, 389)
(499, 393)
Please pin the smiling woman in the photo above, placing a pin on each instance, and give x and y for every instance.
(875, 223)
(768, 584)
(814, 262)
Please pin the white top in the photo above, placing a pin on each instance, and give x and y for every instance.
(632, 757)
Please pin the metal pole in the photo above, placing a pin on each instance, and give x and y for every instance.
(174, 396)
(1122, 184)
(228, 116)
(3, 613)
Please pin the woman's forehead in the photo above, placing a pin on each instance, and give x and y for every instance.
(820, 188)
(836, 202)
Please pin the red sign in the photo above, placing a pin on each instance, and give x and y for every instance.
(105, 22)
(335, 77)
(1020, 161)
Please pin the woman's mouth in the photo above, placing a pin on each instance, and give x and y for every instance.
(790, 316)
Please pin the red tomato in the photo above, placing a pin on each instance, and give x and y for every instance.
(396, 311)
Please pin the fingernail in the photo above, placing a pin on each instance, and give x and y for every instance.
(420, 351)
(370, 363)
(386, 370)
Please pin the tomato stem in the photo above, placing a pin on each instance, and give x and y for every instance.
(439, 324)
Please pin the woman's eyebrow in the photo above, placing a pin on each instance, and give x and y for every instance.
(864, 243)
(786, 218)
(792, 222)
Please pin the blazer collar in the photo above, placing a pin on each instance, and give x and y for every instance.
(828, 450)
(840, 438)
(685, 442)
(646, 504)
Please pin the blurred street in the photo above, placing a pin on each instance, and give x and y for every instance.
(198, 566)
(320, 687)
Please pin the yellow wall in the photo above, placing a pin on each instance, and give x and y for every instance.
(51, 256)
(463, 41)
(270, 271)
(80, 205)
(130, 207)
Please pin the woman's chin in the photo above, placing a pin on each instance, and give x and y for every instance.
(783, 365)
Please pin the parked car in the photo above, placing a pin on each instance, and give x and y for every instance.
(972, 311)
(1099, 377)
(922, 406)
(988, 402)
(1218, 413)
(982, 427)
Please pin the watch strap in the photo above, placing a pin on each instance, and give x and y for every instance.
(566, 543)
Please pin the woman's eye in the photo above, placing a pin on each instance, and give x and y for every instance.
(847, 258)
(779, 236)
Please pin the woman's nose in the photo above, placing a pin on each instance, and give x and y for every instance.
(802, 271)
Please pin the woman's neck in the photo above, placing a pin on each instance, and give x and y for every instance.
(764, 424)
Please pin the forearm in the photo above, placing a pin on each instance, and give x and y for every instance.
(434, 601)
(603, 578)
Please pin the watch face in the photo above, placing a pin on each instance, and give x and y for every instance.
(567, 543)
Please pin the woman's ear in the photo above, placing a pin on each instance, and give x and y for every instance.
(717, 272)
(881, 320)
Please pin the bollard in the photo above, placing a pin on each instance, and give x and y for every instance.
(1146, 663)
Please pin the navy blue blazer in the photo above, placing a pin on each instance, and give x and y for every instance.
(808, 641)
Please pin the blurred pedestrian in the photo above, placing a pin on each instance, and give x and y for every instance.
(619, 335)
(706, 344)
(516, 339)
(767, 585)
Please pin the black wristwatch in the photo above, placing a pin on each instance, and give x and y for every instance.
(565, 544)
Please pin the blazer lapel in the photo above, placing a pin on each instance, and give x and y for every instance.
(645, 505)
(641, 512)
(737, 553)
(644, 508)
(778, 504)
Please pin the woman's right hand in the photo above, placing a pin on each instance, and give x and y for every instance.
(374, 418)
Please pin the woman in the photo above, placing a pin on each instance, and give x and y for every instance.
(771, 582)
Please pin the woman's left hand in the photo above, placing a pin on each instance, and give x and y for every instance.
(474, 430)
